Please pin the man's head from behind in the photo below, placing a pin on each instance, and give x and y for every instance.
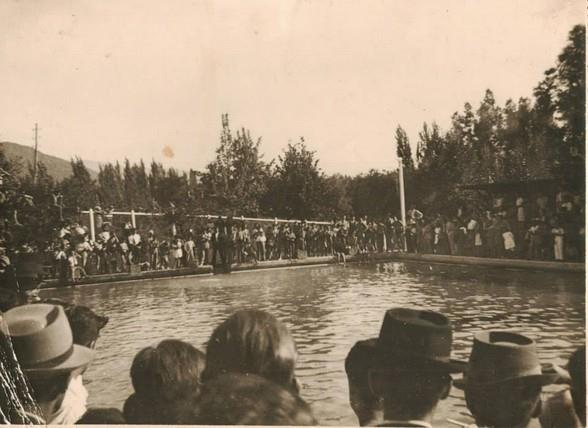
(511, 403)
(504, 379)
(411, 366)
(248, 399)
(364, 403)
(577, 370)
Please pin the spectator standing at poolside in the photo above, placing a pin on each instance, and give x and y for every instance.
(205, 242)
(228, 244)
(415, 214)
(495, 240)
(399, 234)
(521, 223)
(451, 230)
(164, 252)
(558, 232)
(237, 237)
(270, 243)
(260, 241)
(190, 248)
(135, 244)
(217, 240)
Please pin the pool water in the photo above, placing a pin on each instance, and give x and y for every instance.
(328, 309)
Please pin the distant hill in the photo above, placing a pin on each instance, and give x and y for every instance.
(56, 167)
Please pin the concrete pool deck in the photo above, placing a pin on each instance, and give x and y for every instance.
(571, 267)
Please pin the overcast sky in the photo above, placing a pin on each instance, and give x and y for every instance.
(109, 79)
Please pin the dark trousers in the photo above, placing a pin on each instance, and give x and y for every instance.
(227, 257)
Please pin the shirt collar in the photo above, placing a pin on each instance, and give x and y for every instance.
(409, 423)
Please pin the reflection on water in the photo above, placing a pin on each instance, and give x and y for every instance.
(328, 309)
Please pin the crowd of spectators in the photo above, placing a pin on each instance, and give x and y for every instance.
(247, 376)
(517, 228)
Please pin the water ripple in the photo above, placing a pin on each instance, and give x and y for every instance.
(328, 309)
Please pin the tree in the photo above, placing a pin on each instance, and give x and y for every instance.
(437, 171)
(296, 185)
(403, 149)
(488, 148)
(570, 98)
(336, 200)
(237, 178)
(110, 185)
(39, 216)
(79, 190)
(375, 194)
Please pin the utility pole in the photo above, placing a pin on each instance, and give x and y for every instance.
(402, 202)
(35, 155)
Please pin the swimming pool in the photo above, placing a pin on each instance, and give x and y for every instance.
(328, 308)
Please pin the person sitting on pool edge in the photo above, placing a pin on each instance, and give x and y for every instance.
(411, 366)
(43, 344)
(252, 342)
(248, 399)
(503, 380)
(166, 380)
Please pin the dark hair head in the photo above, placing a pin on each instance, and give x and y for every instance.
(510, 403)
(85, 323)
(357, 364)
(577, 370)
(106, 416)
(246, 399)
(167, 372)
(252, 341)
(412, 391)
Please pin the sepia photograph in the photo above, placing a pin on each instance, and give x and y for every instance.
(295, 212)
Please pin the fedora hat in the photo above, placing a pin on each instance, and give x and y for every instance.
(42, 339)
(416, 336)
(502, 356)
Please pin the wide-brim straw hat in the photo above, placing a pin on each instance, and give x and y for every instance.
(42, 340)
(504, 356)
(418, 338)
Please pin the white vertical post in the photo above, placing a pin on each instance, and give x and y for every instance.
(133, 221)
(92, 226)
(402, 202)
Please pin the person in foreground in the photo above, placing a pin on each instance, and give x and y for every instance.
(85, 326)
(252, 342)
(367, 407)
(503, 380)
(567, 408)
(166, 380)
(43, 343)
(411, 366)
(248, 399)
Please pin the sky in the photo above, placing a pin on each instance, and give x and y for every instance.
(109, 79)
